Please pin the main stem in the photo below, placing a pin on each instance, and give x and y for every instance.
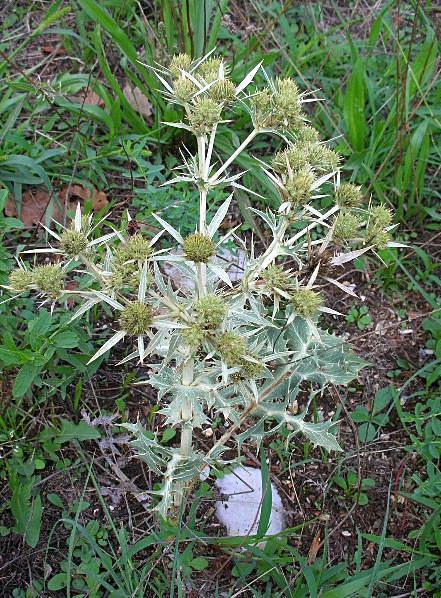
(187, 428)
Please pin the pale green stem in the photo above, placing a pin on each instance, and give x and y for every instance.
(202, 279)
(186, 429)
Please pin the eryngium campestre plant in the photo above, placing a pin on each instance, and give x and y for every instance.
(240, 350)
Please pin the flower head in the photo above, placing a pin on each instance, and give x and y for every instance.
(209, 69)
(231, 348)
(250, 368)
(136, 318)
(49, 279)
(73, 242)
(179, 63)
(298, 187)
(199, 248)
(184, 89)
(210, 311)
(194, 336)
(348, 195)
(20, 279)
(204, 115)
(346, 226)
(223, 91)
(275, 278)
(380, 218)
(287, 111)
(306, 302)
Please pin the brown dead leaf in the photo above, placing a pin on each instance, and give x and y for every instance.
(137, 100)
(98, 198)
(35, 203)
(314, 548)
(58, 51)
(34, 206)
(93, 99)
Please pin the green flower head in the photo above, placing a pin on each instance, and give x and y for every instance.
(250, 369)
(298, 187)
(287, 112)
(346, 226)
(135, 248)
(49, 279)
(180, 62)
(380, 217)
(209, 70)
(194, 336)
(275, 278)
(307, 134)
(210, 311)
(306, 302)
(199, 248)
(184, 89)
(136, 318)
(223, 91)
(291, 159)
(73, 242)
(231, 348)
(20, 279)
(348, 195)
(262, 104)
(205, 114)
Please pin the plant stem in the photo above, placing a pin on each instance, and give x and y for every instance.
(187, 429)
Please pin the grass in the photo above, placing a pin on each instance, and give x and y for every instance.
(75, 517)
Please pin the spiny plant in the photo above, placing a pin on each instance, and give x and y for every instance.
(241, 349)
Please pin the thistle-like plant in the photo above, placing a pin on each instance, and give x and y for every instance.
(241, 349)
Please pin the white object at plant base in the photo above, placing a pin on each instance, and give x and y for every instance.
(239, 509)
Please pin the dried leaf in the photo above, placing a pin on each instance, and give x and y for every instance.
(98, 198)
(33, 208)
(137, 100)
(56, 50)
(93, 99)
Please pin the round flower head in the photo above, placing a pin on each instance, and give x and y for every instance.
(348, 195)
(250, 369)
(73, 242)
(20, 279)
(287, 112)
(380, 239)
(293, 158)
(262, 103)
(380, 217)
(49, 279)
(298, 187)
(307, 134)
(194, 336)
(209, 70)
(346, 226)
(135, 248)
(322, 158)
(184, 89)
(306, 302)
(231, 348)
(199, 248)
(210, 311)
(205, 114)
(223, 91)
(136, 318)
(179, 63)
(275, 278)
